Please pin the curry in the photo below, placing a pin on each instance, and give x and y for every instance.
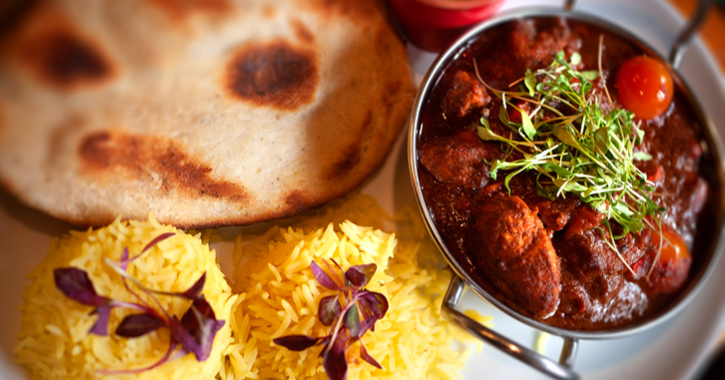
(588, 255)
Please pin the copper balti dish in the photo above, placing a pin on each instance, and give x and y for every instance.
(706, 244)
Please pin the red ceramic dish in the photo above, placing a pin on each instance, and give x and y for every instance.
(433, 24)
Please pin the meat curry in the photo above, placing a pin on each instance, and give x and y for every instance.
(562, 259)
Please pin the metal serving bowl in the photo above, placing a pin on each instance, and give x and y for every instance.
(703, 264)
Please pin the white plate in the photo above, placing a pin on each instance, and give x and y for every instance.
(670, 351)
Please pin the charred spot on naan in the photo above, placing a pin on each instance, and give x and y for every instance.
(303, 33)
(116, 152)
(352, 155)
(274, 74)
(296, 202)
(349, 160)
(183, 9)
(60, 56)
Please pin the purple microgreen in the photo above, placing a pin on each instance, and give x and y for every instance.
(75, 284)
(367, 324)
(123, 264)
(126, 276)
(296, 342)
(323, 278)
(199, 323)
(149, 292)
(120, 268)
(339, 273)
(101, 325)
(136, 325)
(180, 353)
(194, 291)
(368, 310)
(360, 275)
(156, 240)
(352, 321)
(350, 316)
(206, 334)
(125, 255)
(324, 342)
(124, 259)
(334, 360)
(384, 305)
(201, 305)
(180, 334)
(194, 333)
(131, 305)
(376, 302)
(365, 356)
(329, 310)
(172, 346)
(140, 300)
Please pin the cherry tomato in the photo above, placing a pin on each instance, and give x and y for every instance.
(645, 87)
(677, 250)
(670, 270)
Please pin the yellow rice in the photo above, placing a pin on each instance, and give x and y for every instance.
(279, 296)
(54, 343)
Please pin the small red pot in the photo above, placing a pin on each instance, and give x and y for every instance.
(434, 24)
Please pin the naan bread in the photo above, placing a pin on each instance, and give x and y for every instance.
(203, 112)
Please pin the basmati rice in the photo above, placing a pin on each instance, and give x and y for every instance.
(279, 297)
(54, 340)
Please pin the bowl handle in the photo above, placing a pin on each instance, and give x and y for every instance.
(679, 45)
(695, 23)
(561, 370)
(569, 5)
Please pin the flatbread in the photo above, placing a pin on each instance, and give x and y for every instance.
(202, 112)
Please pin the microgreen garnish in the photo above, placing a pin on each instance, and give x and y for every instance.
(194, 333)
(351, 312)
(574, 146)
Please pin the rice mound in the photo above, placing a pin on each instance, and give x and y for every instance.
(279, 296)
(54, 339)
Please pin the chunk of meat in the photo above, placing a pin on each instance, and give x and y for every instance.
(555, 214)
(684, 210)
(459, 160)
(588, 257)
(515, 254)
(585, 219)
(695, 191)
(466, 94)
(537, 48)
(450, 209)
(632, 246)
(574, 297)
